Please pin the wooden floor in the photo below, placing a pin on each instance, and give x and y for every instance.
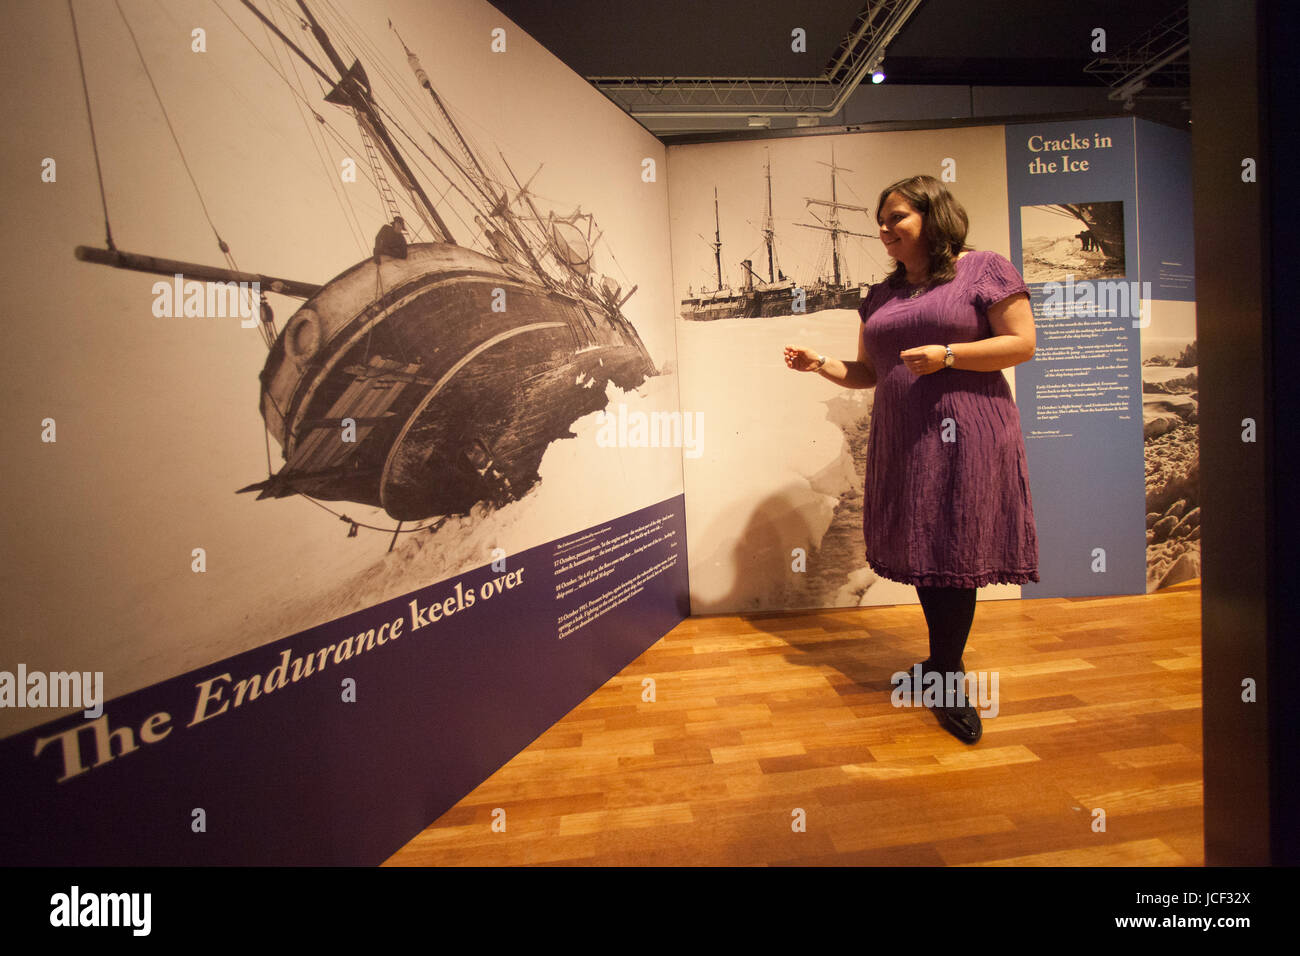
(757, 716)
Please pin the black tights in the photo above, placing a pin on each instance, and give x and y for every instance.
(948, 614)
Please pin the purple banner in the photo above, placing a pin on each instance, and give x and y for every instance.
(339, 744)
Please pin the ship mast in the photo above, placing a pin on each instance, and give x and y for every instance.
(834, 227)
(769, 231)
(835, 234)
(352, 89)
(499, 204)
(717, 238)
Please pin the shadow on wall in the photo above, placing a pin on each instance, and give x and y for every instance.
(761, 567)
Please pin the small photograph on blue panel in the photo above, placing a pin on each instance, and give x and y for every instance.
(1171, 444)
(1084, 240)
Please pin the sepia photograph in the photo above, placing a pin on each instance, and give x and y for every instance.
(1083, 240)
(325, 303)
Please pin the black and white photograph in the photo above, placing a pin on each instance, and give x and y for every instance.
(787, 472)
(1171, 444)
(1084, 240)
(508, 433)
(763, 287)
(324, 302)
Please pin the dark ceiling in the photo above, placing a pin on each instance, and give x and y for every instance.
(965, 42)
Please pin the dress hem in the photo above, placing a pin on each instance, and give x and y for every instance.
(950, 579)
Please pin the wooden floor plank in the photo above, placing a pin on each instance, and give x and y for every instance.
(757, 717)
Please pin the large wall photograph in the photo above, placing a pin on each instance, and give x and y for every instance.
(776, 499)
(463, 416)
(368, 363)
(323, 312)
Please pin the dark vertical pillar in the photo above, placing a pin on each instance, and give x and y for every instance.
(1244, 806)
(1282, 143)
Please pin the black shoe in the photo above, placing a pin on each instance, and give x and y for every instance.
(962, 722)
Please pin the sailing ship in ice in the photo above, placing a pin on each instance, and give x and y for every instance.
(1103, 226)
(752, 300)
(776, 295)
(431, 376)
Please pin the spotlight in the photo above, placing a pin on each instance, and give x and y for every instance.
(878, 76)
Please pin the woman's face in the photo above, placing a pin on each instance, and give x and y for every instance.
(901, 230)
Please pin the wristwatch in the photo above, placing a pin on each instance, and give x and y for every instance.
(948, 358)
(821, 363)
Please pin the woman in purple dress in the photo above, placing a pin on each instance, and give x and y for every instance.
(946, 503)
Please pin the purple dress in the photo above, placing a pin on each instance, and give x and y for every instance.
(936, 512)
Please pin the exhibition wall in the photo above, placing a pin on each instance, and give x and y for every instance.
(435, 555)
(329, 559)
(1094, 213)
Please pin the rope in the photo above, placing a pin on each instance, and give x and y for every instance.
(94, 144)
(322, 152)
(278, 411)
(221, 243)
(352, 531)
(370, 527)
(267, 435)
(381, 180)
(343, 144)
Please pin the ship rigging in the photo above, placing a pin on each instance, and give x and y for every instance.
(432, 376)
(778, 294)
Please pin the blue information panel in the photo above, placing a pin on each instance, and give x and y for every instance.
(1073, 210)
(1166, 239)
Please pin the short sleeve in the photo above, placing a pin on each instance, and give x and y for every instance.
(870, 302)
(1000, 280)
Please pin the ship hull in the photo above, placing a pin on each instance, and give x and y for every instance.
(428, 384)
(767, 303)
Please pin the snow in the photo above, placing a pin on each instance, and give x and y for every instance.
(775, 462)
(773, 465)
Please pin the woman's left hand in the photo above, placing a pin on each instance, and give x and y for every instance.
(924, 360)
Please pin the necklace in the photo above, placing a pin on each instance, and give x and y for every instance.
(917, 292)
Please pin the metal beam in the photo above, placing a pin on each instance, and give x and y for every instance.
(729, 96)
(1161, 52)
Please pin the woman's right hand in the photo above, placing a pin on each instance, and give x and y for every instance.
(800, 359)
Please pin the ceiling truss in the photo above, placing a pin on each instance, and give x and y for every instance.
(678, 97)
(1157, 66)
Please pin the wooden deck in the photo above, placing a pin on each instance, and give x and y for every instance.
(758, 716)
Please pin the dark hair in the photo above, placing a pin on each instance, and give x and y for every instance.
(944, 229)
